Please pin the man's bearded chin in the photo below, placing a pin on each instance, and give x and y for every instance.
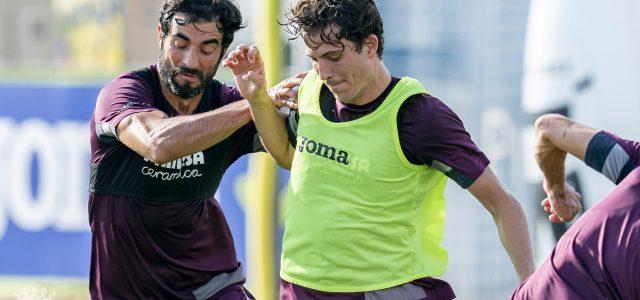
(168, 74)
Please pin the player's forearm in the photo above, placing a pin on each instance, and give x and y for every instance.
(514, 234)
(509, 219)
(551, 162)
(551, 149)
(557, 135)
(271, 128)
(179, 136)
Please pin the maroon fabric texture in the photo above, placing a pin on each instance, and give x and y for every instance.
(599, 256)
(143, 248)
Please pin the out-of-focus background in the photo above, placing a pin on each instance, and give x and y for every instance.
(498, 64)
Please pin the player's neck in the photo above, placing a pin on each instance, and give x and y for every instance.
(377, 84)
(182, 106)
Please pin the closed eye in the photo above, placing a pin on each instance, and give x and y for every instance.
(180, 44)
(207, 50)
(334, 58)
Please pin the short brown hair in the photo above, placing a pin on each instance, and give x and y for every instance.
(354, 20)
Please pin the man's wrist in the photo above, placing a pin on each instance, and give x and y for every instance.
(260, 100)
(556, 190)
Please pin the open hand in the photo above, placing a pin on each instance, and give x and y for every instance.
(286, 92)
(248, 70)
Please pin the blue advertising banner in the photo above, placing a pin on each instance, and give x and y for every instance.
(44, 154)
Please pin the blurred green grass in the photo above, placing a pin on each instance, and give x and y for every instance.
(40, 288)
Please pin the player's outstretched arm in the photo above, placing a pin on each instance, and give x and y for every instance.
(556, 136)
(509, 218)
(162, 139)
(565, 135)
(248, 70)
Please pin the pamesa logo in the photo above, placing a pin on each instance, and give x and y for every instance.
(175, 169)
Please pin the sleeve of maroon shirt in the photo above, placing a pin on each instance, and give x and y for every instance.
(612, 156)
(125, 95)
(229, 94)
(432, 134)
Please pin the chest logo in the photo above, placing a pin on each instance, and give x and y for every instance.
(177, 169)
(329, 152)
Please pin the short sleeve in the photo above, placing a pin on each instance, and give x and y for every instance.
(612, 156)
(125, 95)
(432, 134)
(229, 94)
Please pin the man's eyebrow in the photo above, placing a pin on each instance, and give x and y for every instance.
(327, 54)
(331, 53)
(215, 41)
(182, 36)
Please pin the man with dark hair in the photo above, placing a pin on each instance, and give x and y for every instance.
(161, 139)
(599, 256)
(365, 207)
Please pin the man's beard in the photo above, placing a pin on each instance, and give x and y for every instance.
(168, 74)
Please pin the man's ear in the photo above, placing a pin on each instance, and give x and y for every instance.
(371, 45)
(160, 36)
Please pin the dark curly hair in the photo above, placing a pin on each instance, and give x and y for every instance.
(353, 20)
(225, 12)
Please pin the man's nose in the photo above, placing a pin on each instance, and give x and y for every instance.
(324, 70)
(190, 59)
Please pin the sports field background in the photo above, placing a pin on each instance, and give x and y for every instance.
(56, 54)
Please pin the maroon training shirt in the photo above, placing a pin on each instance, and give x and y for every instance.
(599, 256)
(157, 231)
